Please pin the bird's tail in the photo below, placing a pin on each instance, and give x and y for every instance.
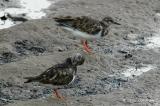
(63, 19)
(30, 79)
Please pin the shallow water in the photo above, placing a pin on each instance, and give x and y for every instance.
(153, 42)
(7, 24)
(158, 14)
(34, 9)
(137, 72)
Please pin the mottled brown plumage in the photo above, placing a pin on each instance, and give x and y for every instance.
(59, 74)
(81, 23)
(85, 27)
(86, 24)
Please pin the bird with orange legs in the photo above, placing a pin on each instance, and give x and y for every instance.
(60, 74)
(85, 28)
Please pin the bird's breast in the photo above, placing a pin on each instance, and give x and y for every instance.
(81, 34)
(64, 77)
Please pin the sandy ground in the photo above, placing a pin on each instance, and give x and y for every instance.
(123, 72)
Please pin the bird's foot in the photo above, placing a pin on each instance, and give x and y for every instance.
(86, 48)
(58, 96)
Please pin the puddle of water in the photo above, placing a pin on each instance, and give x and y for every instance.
(8, 23)
(32, 8)
(133, 72)
(153, 42)
(158, 14)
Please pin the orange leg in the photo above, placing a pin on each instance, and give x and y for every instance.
(85, 46)
(57, 94)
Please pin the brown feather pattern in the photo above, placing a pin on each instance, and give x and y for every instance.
(59, 74)
(83, 23)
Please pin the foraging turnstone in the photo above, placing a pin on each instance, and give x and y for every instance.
(59, 74)
(86, 27)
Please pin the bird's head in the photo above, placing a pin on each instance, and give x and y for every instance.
(108, 21)
(77, 59)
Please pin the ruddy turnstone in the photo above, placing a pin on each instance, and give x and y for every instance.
(60, 74)
(85, 27)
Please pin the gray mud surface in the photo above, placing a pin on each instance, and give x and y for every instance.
(29, 48)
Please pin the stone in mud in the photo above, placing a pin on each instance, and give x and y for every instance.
(24, 46)
(17, 18)
(128, 56)
(7, 57)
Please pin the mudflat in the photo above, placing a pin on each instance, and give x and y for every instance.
(124, 70)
